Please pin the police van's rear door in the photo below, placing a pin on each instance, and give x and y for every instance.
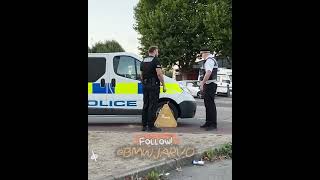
(97, 85)
(127, 97)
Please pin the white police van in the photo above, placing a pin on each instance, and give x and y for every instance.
(115, 89)
(224, 81)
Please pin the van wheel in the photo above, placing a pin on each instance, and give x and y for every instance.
(199, 95)
(172, 107)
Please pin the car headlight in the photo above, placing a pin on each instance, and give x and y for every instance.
(184, 88)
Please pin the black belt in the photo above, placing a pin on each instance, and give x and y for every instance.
(151, 81)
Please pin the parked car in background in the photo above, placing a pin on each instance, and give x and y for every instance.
(230, 85)
(223, 87)
(193, 86)
(223, 82)
(225, 77)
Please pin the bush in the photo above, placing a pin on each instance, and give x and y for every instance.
(225, 151)
(153, 175)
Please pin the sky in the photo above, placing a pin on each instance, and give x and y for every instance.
(113, 20)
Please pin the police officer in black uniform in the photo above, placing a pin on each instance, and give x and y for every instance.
(151, 78)
(208, 87)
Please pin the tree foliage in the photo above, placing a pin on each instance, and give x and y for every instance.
(181, 27)
(106, 47)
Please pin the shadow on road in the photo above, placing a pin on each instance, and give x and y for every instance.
(183, 127)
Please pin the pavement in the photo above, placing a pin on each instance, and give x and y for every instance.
(104, 164)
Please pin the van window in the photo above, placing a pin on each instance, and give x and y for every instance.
(96, 68)
(218, 78)
(138, 69)
(195, 84)
(226, 81)
(125, 66)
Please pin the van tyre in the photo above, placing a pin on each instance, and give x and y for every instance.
(172, 107)
(199, 95)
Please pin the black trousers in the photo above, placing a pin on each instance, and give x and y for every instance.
(209, 91)
(150, 102)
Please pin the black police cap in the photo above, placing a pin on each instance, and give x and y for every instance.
(205, 49)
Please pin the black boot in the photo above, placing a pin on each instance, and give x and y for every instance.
(205, 125)
(211, 127)
(154, 129)
(144, 128)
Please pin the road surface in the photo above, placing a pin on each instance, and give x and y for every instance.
(219, 170)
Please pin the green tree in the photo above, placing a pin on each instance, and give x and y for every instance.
(106, 47)
(181, 27)
(218, 22)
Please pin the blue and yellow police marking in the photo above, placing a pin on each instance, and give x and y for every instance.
(172, 88)
(89, 88)
(97, 89)
(126, 88)
(129, 88)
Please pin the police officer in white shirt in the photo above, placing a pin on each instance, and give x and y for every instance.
(208, 87)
